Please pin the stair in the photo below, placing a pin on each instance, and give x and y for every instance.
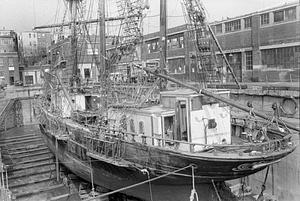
(31, 166)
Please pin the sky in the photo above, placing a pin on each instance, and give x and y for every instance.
(23, 15)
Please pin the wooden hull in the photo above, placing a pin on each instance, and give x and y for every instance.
(113, 177)
(156, 160)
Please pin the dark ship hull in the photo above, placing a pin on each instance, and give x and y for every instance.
(173, 187)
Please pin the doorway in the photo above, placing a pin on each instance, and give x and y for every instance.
(181, 120)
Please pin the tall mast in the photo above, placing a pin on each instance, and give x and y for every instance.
(163, 36)
(102, 51)
(73, 5)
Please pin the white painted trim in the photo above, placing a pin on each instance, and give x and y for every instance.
(279, 45)
(284, 6)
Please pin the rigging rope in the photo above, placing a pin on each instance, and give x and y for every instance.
(138, 184)
(193, 192)
(217, 193)
(263, 186)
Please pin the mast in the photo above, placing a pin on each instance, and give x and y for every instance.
(163, 36)
(73, 4)
(102, 46)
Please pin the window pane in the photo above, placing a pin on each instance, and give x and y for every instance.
(264, 19)
(176, 66)
(219, 28)
(248, 22)
(249, 65)
(290, 13)
(278, 16)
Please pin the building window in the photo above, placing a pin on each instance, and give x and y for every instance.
(1, 61)
(176, 66)
(264, 19)
(153, 46)
(87, 73)
(10, 61)
(279, 16)
(30, 35)
(233, 26)
(290, 14)
(280, 58)
(175, 41)
(219, 28)
(249, 60)
(248, 22)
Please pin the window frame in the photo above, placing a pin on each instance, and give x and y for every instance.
(249, 60)
(264, 19)
(218, 30)
(276, 20)
(233, 26)
(248, 22)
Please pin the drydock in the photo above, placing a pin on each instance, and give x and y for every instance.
(30, 169)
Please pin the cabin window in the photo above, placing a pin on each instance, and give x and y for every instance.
(123, 123)
(196, 103)
(168, 102)
(205, 100)
(212, 124)
(141, 127)
(169, 127)
(88, 102)
(132, 127)
(87, 73)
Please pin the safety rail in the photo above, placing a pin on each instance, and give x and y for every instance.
(5, 193)
(109, 142)
(255, 148)
(109, 147)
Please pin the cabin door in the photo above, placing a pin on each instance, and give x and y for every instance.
(181, 120)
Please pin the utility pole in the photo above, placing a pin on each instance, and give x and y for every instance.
(163, 37)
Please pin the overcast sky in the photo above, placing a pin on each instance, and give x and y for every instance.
(23, 15)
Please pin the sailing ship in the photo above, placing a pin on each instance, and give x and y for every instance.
(136, 136)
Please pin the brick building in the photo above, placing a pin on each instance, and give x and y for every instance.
(260, 46)
(9, 59)
(265, 45)
(34, 46)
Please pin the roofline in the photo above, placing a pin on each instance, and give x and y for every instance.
(279, 7)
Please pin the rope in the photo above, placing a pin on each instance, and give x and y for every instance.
(193, 192)
(145, 171)
(217, 193)
(263, 186)
(138, 184)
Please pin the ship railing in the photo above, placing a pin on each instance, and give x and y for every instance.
(250, 148)
(108, 147)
